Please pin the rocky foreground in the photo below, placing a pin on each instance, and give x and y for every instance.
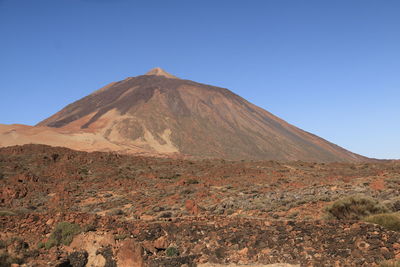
(61, 207)
(199, 240)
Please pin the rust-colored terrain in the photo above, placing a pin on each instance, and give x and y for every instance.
(149, 211)
(170, 172)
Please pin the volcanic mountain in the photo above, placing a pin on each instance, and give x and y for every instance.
(160, 113)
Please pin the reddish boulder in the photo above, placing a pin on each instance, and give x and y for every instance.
(130, 254)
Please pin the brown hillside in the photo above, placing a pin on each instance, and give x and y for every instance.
(161, 113)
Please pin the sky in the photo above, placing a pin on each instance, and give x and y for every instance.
(329, 67)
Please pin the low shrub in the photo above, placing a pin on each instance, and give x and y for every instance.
(89, 228)
(63, 234)
(172, 252)
(354, 208)
(84, 171)
(79, 258)
(389, 221)
(7, 213)
(393, 204)
(170, 177)
(115, 212)
(186, 192)
(22, 211)
(390, 264)
(192, 181)
(40, 245)
(7, 260)
(120, 237)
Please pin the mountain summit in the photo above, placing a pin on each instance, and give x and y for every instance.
(160, 72)
(159, 113)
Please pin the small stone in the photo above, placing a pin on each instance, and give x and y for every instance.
(243, 252)
(191, 207)
(161, 242)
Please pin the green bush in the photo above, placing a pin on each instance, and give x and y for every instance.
(89, 228)
(120, 237)
(172, 252)
(192, 181)
(354, 208)
(6, 259)
(389, 221)
(63, 234)
(7, 213)
(393, 204)
(41, 245)
(115, 212)
(84, 171)
(50, 243)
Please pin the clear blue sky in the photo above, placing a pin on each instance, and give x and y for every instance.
(329, 67)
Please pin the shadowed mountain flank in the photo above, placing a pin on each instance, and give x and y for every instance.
(162, 113)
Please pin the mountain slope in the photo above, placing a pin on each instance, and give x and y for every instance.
(161, 113)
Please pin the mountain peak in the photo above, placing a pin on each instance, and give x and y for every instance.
(160, 72)
(162, 114)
